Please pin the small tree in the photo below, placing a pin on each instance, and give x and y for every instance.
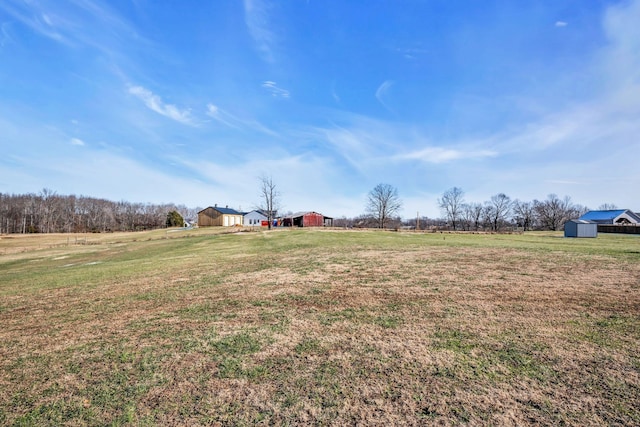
(383, 202)
(270, 198)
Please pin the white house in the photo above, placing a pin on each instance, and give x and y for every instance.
(254, 218)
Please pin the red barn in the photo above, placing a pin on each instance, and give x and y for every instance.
(307, 219)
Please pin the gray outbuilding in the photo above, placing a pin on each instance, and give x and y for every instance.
(580, 228)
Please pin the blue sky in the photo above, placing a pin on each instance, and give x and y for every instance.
(191, 102)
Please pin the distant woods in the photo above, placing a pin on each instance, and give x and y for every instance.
(48, 212)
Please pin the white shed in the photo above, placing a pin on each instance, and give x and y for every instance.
(580, 228)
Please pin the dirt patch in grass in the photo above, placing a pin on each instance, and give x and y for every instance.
(363, 331)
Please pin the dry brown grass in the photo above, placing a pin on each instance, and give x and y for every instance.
(321, 328)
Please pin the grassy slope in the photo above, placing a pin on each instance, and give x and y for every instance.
(321, 327)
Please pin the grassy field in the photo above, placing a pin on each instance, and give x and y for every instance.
(319, 327)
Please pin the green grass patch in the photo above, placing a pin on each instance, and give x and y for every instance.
(389, 322)
(308, 345)
(454, 340)
(237, 344)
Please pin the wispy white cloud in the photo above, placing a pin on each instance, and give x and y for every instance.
(563, 182)
(364, 143)
(351, 143)
(35, 17)
(155, 103)
(335, 96)
(561, 24)
(382, 92)
(79, 23)
(257, 19)
(411, 52)
(222, 116)
(77, 142)
(5, 35)
(368, 144)
(275, 90)
(232, 121)
(443, 155)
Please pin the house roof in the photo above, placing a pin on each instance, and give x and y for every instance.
(258, 211)
(608, 215)
(224, 211)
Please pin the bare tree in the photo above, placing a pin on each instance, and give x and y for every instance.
(471, 216)
(452, 205)
(524, 214)
(270, 198)
(465, 217)
(554, 212)
(499, 209)
(476, 211)
(46, 209)
(383, 202)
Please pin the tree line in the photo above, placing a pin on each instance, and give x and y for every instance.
(498, 213)
(501, 211)
(49, 212)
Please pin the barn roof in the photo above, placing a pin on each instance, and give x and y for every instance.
(227, 211)
(224, 211)
(608, 215)
(303, 213)
(299, 214)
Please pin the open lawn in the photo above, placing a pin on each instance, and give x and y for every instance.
(319, 327)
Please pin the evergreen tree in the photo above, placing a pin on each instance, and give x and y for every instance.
(174, 219)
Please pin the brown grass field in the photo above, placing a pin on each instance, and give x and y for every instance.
(319, 327)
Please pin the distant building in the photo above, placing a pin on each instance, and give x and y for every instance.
(306, 219)
(616, 217)
(580, 228)
(254, 218)
(217, 216)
